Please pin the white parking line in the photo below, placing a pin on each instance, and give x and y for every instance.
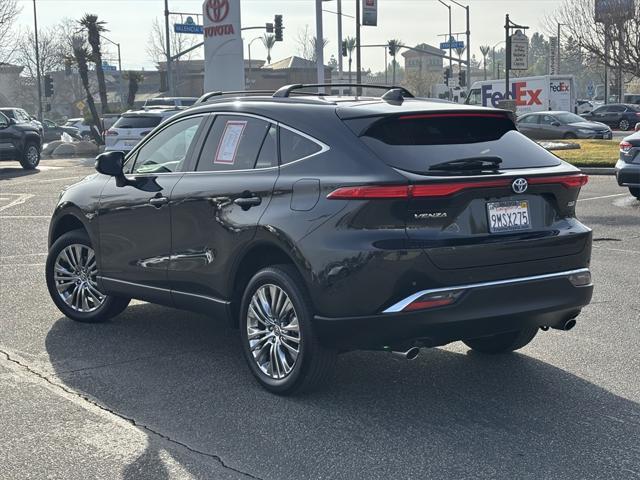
(25, 216)
(23, 255)
(604, 196)
(22, 197)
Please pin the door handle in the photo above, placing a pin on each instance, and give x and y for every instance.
(247, 202)
(158, 201)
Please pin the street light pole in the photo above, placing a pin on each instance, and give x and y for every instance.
(38, 74)
(358, 56)
(121, 82)
(250, 66)
(340, 65)
(168, 48)
(319, 45)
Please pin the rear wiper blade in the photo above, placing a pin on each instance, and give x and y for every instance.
(472, 163)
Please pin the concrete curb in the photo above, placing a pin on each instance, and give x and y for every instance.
(598, 171)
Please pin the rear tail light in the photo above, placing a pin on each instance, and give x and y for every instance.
(625, 147)
(370, 192)
(433, 300)
(111, 133)
(567, 181)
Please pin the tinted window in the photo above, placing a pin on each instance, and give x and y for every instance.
(138, 121)
(617, 109)
(268, 156)
(530, 119)
(187, 102)
(3, 119)
(9, 113)
(166, 151)
(294, 146)
(233, 143)
(415, 144)
(601, 110)
(567, 117)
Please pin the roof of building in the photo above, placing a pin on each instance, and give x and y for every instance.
(423, 46)
(293, 62)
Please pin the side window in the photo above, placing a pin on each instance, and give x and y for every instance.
(617, 109)
(547, 120)
(529, 120)
(166, 151)
(268, 156)
(233, 143)
(294, 146)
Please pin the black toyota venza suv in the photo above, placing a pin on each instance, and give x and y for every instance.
(319, 224)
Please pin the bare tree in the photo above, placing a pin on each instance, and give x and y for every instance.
(307, 44)
(578, 17)
(9, 11)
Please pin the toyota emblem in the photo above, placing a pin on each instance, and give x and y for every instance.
(520, 185)
(217, 10)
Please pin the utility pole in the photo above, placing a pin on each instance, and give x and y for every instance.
(38, 73)
(340, 65)
(168, 40)
(450, 48)
(468, 33)
(319, 45)
(358, 56)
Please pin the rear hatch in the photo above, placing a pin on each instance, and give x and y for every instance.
(479, 193)
(130, 129)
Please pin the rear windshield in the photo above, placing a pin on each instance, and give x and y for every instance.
(417, 142)
(138, 121)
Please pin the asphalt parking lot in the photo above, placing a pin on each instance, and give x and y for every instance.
(159, 393)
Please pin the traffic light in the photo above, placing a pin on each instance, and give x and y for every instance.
(278, 27)
(462, 78)
(48, 86)
(269, 27)
(392, 50)
(344, 48)
(447, 75)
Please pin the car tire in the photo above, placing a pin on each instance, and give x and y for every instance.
(284, 332)
(502, 342)
(624, 125)
(71, 280)
(30, 157)
(635, 191)
(570, 136)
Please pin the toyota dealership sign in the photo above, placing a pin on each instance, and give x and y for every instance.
(223, 50)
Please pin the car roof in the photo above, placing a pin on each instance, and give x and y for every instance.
(150, 113)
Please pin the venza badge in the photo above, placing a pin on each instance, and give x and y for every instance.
(520, 185)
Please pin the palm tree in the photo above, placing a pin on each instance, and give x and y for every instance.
(394, 45)
(350, 43)
(269, 41)
(81, 56)
(485, 49)
(94, 28)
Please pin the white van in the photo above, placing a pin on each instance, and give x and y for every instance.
(532, 94)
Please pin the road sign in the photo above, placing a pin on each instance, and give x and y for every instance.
(188, 27)
(452, 43)
(108, 68)
(370, 13)
(519, 51)
(80, 105)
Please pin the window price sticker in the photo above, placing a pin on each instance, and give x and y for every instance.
(228, 146)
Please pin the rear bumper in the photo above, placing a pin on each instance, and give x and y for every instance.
(628, 174)
(483, 309)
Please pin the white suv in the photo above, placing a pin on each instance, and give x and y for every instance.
(132, 127)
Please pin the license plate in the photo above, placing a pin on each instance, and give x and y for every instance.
(510, 216)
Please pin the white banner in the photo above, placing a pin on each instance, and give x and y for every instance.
(519, 51)
(223, 50)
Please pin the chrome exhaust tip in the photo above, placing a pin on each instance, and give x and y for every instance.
(566, 326)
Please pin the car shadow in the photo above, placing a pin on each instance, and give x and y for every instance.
(444, 415)
(9, 173)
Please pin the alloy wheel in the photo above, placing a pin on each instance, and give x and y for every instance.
(624, 125)
(273, 331)
(32, 155)
(75, 272)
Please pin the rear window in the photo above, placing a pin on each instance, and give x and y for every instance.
(138, 121)
(417, 142)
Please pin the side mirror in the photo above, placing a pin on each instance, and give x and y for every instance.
(555, 124)
(110, 163)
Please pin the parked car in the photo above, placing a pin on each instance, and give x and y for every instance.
(556, 125)
(632, 98)
(21, 116)
(132, 127)
(108, 120)
(83, 127)
(169, 102)
(53, 131)
(628, 166)
(322, 225)
(583, 106)
(20, 141)
(617, 115)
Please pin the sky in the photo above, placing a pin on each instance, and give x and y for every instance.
(411, 21)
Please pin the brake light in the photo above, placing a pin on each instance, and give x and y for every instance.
(567, 181)
(625, 147)
(411, 191)
(452, 115)
(111, 133)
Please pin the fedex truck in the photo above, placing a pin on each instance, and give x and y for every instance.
(532, 94)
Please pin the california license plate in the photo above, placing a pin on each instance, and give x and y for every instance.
(508, 216)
